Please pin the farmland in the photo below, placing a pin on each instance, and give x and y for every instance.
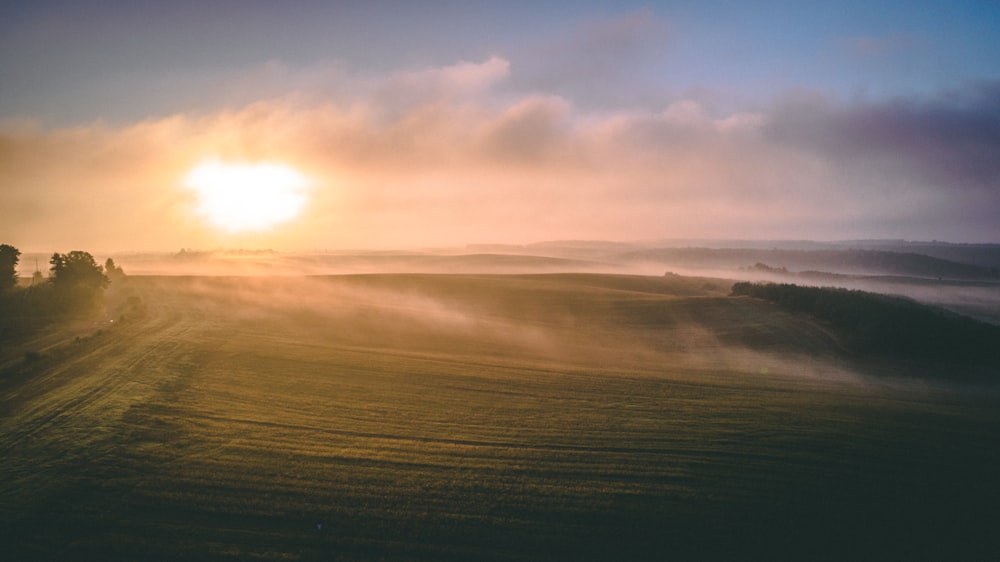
(483, 417)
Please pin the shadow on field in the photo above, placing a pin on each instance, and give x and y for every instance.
(485, 417)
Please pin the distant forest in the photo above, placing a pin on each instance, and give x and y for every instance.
(877, 325)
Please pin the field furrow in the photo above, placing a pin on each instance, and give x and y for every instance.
(481, 417)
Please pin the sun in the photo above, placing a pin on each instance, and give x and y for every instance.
(247, 196)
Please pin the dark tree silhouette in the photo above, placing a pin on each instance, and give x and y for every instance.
(9, 256)
(77, 276)
(74, 288)
(114, 272)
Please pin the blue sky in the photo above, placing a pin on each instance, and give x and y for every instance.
(914, 83)
(74, 62)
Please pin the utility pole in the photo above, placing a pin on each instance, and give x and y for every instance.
(37, 275)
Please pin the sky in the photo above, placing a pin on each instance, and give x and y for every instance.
(441, 123)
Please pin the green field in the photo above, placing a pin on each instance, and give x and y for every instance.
(483, 417)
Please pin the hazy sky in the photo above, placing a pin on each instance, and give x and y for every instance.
(446, 123)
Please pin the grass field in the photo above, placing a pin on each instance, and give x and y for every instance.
(483, 417)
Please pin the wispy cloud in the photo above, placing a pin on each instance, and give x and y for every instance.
(952, 140)
(600, 61)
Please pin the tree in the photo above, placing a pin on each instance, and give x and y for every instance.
(77, 276)
(9, 256)
(114, 272)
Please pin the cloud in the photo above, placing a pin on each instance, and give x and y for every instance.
(532, 130)
(600, 61)
(934, 162)
(403, 91)
(951, 141)
(464, 77)
(449, 156)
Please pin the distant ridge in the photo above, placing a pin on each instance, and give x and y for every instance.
(870, 262)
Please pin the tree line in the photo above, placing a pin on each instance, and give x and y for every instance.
(74, 286)
(873, 324)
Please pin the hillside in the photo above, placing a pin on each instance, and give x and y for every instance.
(488, 417)
(874, 325)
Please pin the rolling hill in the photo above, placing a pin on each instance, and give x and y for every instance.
(488, 417)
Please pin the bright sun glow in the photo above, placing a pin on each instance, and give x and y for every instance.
(240, 196)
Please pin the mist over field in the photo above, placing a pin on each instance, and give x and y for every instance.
(960, 277)
(455, 405)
